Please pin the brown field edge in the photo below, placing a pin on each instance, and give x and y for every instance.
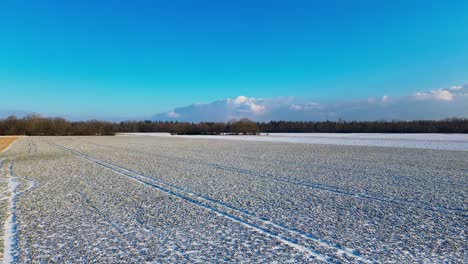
(6, 141)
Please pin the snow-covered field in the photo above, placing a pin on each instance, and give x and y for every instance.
(175, 199)
(421, 141)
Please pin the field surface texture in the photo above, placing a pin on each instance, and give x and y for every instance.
(136, 199)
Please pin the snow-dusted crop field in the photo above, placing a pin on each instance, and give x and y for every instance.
(172, 199)
(420, 141)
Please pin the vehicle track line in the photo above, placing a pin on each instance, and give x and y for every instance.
(295, 163)
(319, 186)
(285, 235)
(12, 252)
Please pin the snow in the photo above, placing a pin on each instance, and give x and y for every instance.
(146, 134)
(11, 236)
(170, 199)
(222, 210)
(418, 141)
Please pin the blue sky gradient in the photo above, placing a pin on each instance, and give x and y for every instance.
(133, 59)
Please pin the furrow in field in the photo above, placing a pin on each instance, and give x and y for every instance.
(318, 186)
(12, 251)
(293, 163)
(296, 239)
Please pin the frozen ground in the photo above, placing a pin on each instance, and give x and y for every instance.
(421, 141)
(174, 199)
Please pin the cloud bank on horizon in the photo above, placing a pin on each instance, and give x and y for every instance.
(430, 105)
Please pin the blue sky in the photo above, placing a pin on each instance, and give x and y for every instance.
(133, 59)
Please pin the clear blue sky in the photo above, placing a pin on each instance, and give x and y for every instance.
(137, 58)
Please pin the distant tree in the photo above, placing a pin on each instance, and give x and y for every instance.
(246, 127)
(36, 125)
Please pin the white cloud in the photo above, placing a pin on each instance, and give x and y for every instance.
(439, 94)
(173, 114)
(257, 108)
(443, 95)
(456, 88)
(435, 104)
(385, 99)
(304, 107)
(296, 107)
(246, 104)
(241, 99)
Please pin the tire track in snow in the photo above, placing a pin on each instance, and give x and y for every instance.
(296, 239)
(353, 170)
(308, 184)
(12, 251)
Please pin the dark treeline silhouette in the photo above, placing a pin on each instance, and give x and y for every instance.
(243, 126)
(452, 125)
(35, 125)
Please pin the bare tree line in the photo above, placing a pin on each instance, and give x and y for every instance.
(43, 126)
(35, 125)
